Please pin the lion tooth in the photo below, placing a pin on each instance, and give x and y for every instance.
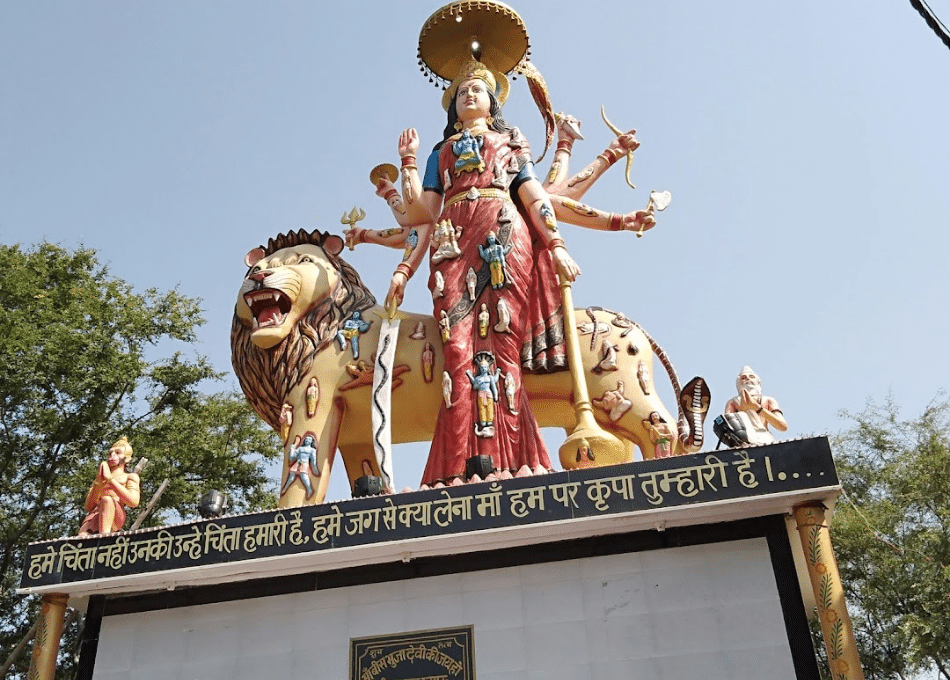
(257, 323)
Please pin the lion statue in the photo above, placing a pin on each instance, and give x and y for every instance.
(298, 311)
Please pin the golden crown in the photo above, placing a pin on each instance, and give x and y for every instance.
(496, 82)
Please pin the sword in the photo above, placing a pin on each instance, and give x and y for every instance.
(382, 394)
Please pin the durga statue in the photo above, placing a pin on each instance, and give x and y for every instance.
(491, 227)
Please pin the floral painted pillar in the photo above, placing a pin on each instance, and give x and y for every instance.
(829, 594)
(48, 634)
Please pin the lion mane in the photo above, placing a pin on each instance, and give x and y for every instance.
(268, 375)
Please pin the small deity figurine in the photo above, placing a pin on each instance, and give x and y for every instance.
(470, 280)
(445, 326)
(113, 490)
(467, 153)
(313, 397)
(303, 458)
(584, 452)
(660, 434)
(447, 389)
(510, 388)
(494, 254)
(757, 409)
(485, 385)
(614, 402)
(504, 318)
(438, 289)
(411, 242)
(483, 321)
(609, 353)
(428, 358)
(351, 330)
(643, 376)
(286, 419)
(420, 332)
(445, 240)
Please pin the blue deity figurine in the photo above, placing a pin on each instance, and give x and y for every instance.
(351, 330)
(303, 459)
(466, 149)
(485, 385)
(494, 254)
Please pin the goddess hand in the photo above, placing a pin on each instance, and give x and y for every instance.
(352, 237)
(566, 266)
(397, 289)
(408, 142)
(568, 128)
(384, 186)
(626, 142)
(641, 220)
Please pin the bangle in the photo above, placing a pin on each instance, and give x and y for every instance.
(404, 269)
(361, 236)
(408, 161)
(611, 156)
(616, 222)
(555, 243)
(564, 145)
(390, 194)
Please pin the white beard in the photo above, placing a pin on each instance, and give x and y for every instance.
(753, 387)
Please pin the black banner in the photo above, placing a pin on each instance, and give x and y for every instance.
(421, 655)
(630, 488)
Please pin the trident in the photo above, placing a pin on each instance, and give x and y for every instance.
(356, 214)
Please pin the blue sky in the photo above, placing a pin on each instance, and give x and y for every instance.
(805, 145)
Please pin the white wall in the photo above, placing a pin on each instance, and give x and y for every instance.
(709, 612)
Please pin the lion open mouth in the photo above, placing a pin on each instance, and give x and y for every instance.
(269, 307)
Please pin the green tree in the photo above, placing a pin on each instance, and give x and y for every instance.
(81, 364)
(891, 532)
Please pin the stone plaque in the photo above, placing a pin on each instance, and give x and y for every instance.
(441, 654)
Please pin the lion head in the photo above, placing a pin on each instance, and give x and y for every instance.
(296, 294)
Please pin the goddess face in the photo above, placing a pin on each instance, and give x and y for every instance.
(472, 101)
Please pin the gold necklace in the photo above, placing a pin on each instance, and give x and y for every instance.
(477, 129)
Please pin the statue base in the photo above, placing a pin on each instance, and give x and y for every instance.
(589, 573)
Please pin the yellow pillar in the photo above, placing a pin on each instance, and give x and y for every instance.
(825, 579)
(48, 634)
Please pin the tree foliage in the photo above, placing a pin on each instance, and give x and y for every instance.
(81, 364)
(892, 537)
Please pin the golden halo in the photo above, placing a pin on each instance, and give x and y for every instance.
(489, 30)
